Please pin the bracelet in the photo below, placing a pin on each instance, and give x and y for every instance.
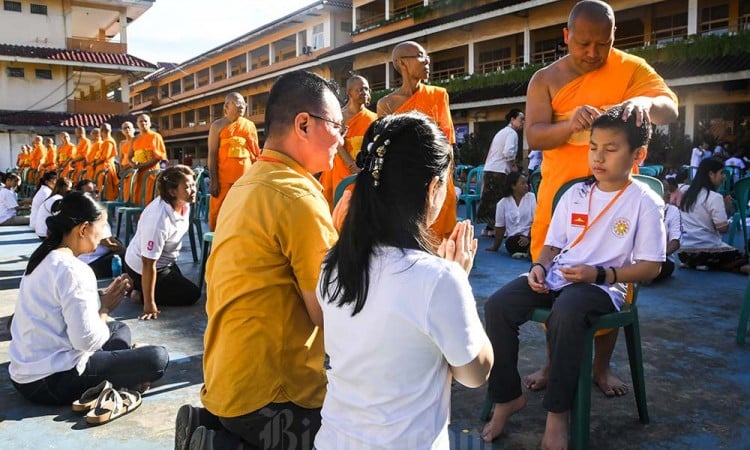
(540, 265)
(614, 274)
(601, 275)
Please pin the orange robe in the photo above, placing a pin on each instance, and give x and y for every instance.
(111, 182)
(64, 154)
(38, 156)
(91, 158)
(622, 77)
(146, 147)
(125, 153)
(238, 149)
(125, 164)
(82, 150)
(358, 125)
(433, 102)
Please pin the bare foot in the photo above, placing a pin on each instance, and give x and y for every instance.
(556, 432)
(500, 415)
(610, 384)
(136, 296)
(537, 380)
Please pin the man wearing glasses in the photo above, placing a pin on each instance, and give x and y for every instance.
(412, 62)
(128, 131)
(232, 149)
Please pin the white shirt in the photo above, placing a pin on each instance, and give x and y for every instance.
(56, 325)
(158, 235)
(697, 156)
(516, 219)
(502, 151)
(535, 159)
(735, 162)
(44, 211)
(632, 229)
(41, 195)
(8, 204)
(389, 383)
(672, 224)
(700, 231)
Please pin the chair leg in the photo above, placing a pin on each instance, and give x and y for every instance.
(191, 236)
(128, 228)
(635, 356)
(744, 315)
(486, 413)
(204, 260)
(119, 221)
(581, 413)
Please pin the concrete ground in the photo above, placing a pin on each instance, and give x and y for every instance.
(697, 378)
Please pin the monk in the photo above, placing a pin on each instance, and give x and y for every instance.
(358, 119)
(38, 154)
(66, 153)
(126, 153)
(93, 155)
(563, 100)
(232, 149)
(148, 152)
(106, 161)
(83, 146)
(50, 157)
(411, 61)
(23, 161)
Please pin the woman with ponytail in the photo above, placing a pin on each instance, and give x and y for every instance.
(394, 297)
(43, 191)
(62, 186)
(63, 340)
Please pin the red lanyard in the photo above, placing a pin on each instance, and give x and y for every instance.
(270, 159)
(598, 216)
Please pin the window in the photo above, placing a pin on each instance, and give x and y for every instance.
(12, 6)
(217, 111)
(177, 120)
(219, 72)
(201, 78)
(188, 83)
(44, 74)
(164, 91)
(318, 38)
(15, 72)
(346, 27)
(163, 123)
(204, 115)
(175, 87)
(715, 20)
(238, 65)
(39, 9)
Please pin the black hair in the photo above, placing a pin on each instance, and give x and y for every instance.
(11, 176)
(611, 119)
(170, 178)
(44, 179)
(701, 181)
(62, 186)
(400, 156)
(511, 181)
(512, 114)
(293, 93)
(82, 183)
(67, 213)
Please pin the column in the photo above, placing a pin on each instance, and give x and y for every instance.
(387, 9)
(125, 88)
(123, 27)
(354, 17)
(103, 88)
(526, 45)
(471, 58)
(689, 104)
(387, 75)
(692, 17)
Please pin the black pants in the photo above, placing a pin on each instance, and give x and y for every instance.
(115, 362)
(102, 267)
(667, 268)
(172, 288)
(575, 308)
(513, 246)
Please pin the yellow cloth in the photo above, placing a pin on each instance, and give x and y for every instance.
(125, 153)
(38, 156)
(433, 102)
(238, 149)
(146, 146)
(260, 345)
(66, 153)
(91, 158)
(82, 151)
(111, 182)
(622, 77)
(358, 125)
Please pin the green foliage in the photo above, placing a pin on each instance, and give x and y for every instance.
(671, 150)
(696, 48)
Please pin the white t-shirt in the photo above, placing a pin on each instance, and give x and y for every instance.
(389, 383)
(8, 204)
(502, 151)
(535, 159)
(56, 325)
(700, 231)
(516, 219)
(632, 229)
(44, 211)
(735, 162)
(672, 224)
(697, 156)
(158, 235)
(41, 195)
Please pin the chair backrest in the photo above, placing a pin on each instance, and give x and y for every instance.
(535, 179)
(149, 181)
(742, 195)
(342, 187)
(100, 181)
(564, 188)
(652, 182)
(475, 176)
(125, 179)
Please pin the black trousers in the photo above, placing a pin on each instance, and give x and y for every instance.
(102, 267)
(115, 362)
(172, 288)
(513, 246)
(667, 268)
(575, 308)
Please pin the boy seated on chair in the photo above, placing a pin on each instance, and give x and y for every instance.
(605, 232)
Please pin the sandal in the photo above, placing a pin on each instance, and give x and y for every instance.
(112, 404)
(89, 397)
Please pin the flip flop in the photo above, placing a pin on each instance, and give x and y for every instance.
(112, 404)
(89, 397)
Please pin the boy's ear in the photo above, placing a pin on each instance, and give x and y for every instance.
(640, 155)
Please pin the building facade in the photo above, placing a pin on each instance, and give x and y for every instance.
(482, 51)
(64, 64)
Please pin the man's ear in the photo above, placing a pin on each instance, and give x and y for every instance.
(566, 33)
(640, 155)
(301, 122)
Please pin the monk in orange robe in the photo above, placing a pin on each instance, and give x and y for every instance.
(126, 152)
(106, 161)
(50, 156)
(93, 155)
(38, 154)
(358, 119)
(66, 153)
(148, 152)
(411, 60)
(23, 161)
(563, 100)
(83, 146)
(232, 149)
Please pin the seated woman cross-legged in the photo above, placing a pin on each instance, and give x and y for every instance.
(400, 319)
(513, 217)
(63, 341)
(151, 257)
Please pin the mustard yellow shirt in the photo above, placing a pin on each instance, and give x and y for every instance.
(261, 347)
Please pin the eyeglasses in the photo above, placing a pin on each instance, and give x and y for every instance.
(342, 128)
(420, 57)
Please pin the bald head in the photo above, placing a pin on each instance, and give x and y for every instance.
(355, 80)
(234, 97)
(408, 48)
(594, 11)
(106, 128)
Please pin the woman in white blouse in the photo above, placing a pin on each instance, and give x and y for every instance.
(513, 217)
(63, 340)
(62, 187)
(43, 191)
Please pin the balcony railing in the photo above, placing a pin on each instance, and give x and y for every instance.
(97, 107)
(397, 14)
(495, 65)
(449, 73)
(93, 45)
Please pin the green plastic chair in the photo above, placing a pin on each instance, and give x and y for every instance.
(655, 184)
(535, 179)
(339, 192)
(739, 220)
(111, 205)
(208, 239)
(195, 227)
(653, 170)
(130, 212)
(471, 200)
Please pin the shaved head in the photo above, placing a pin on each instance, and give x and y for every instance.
(407, 48)
(355, 80)
(106, 127)
(234, 97)
(592, 11)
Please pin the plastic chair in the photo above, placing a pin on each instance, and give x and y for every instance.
(535, 179)
(195, 227)
(125, 184)
(131, 211)
(652, 182)
(470, 200)
(343, 184)
(653, 170)
(208, 239)
(739, 220)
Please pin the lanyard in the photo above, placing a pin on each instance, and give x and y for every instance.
(598, 216)
(271, 159)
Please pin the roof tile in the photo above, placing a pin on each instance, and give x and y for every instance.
(61, 54)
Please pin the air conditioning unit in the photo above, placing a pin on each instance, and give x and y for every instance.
(306, 50)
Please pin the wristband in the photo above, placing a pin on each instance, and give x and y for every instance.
(614, 275)
(601, 275)
(540, 265)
